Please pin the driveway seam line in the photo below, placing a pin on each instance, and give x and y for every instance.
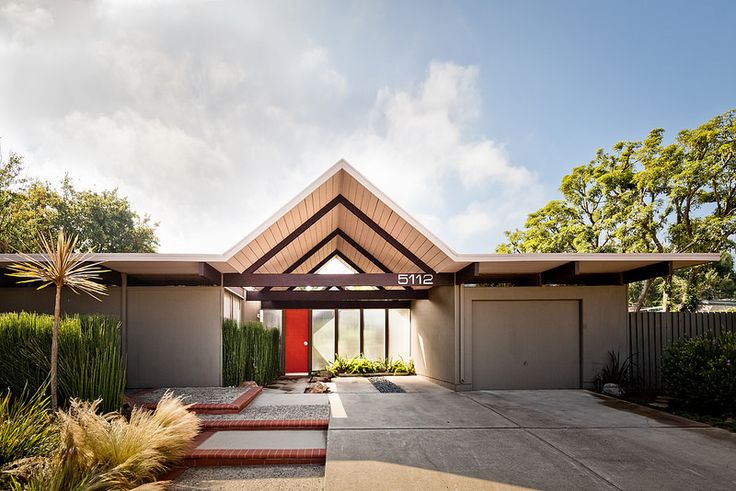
(584, 466)
(590, 471)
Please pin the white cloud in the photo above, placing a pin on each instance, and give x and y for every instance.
(418, 149)
(210, 124)
(25, 20)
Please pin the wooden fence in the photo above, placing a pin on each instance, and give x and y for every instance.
(650, 333)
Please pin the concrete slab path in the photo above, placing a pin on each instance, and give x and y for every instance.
(520, 439)
(270, 439)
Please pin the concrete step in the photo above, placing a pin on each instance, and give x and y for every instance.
(258, 447)
(233, 407)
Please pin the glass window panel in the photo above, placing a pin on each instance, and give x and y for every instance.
(374, 333)
(349, 332)
(399, 334)
(227, 308)
(323, 338)
(237, 305)
(271, 319)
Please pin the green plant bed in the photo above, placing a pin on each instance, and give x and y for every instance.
(91, 360)
(377, 374)
(362, 366)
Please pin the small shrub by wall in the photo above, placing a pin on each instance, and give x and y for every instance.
(91, 359)
(250, 352)
(700, 373)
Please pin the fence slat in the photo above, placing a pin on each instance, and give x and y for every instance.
(651, 333)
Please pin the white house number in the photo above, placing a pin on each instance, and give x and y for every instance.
(423, 279)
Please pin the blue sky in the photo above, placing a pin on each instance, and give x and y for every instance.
(211, 115)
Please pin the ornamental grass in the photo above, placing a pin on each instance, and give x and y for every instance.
(107, 451)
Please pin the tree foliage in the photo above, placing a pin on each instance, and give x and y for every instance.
(649, 196)
(103, 221)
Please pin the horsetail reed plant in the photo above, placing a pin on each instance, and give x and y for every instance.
(59, 265)
(249, 352)
(91, 361)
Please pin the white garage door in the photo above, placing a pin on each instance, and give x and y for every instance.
(526, 344)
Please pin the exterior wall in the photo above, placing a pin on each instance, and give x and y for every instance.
(433, 335)
(603, 319)
(174, 336)
(15, 299)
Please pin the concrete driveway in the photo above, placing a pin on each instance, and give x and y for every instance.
(438, 439)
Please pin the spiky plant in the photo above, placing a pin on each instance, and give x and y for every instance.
(108, 452)
(59, 265)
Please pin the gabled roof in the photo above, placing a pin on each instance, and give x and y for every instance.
(342, 200)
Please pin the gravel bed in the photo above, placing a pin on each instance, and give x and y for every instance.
(271, 478)
(384, 385)
(301, 411)
(192, 395)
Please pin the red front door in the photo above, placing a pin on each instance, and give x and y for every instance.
(296, 341)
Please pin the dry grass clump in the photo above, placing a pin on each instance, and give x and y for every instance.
(109, 452)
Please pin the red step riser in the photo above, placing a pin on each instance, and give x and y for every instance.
(253, 461)
(217, 458)
(296, 424)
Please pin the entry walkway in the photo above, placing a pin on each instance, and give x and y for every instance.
(440, 439)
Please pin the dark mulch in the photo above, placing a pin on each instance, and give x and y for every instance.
(384, 385)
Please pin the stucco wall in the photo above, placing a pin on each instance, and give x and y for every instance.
(603, 321)
(433, 334)
(174, 336)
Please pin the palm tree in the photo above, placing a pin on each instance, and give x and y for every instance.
(60, 266)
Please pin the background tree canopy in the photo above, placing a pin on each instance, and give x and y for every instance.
(103, 221)
(648, 196)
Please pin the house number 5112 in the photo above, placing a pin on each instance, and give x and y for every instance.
(423, 279)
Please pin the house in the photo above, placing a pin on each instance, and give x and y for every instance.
(469, 321)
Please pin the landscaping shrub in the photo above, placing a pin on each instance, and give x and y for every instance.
(362, 365)
(700, 374)
(616, 372)
(109, 452)
(91, 360)
(249, 352)
(26, 428)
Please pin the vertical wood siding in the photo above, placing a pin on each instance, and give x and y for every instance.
(651, 333)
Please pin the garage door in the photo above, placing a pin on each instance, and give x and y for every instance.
(526, 344)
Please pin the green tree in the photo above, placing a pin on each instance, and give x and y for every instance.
(645, 196)
(103, 221)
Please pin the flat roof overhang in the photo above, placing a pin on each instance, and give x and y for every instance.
(515, 269)
(342, 214)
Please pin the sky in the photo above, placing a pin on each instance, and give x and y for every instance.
(210, 116)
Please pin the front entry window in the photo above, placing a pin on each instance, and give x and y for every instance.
(374, 333)
(348, 336)
(323, 338)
